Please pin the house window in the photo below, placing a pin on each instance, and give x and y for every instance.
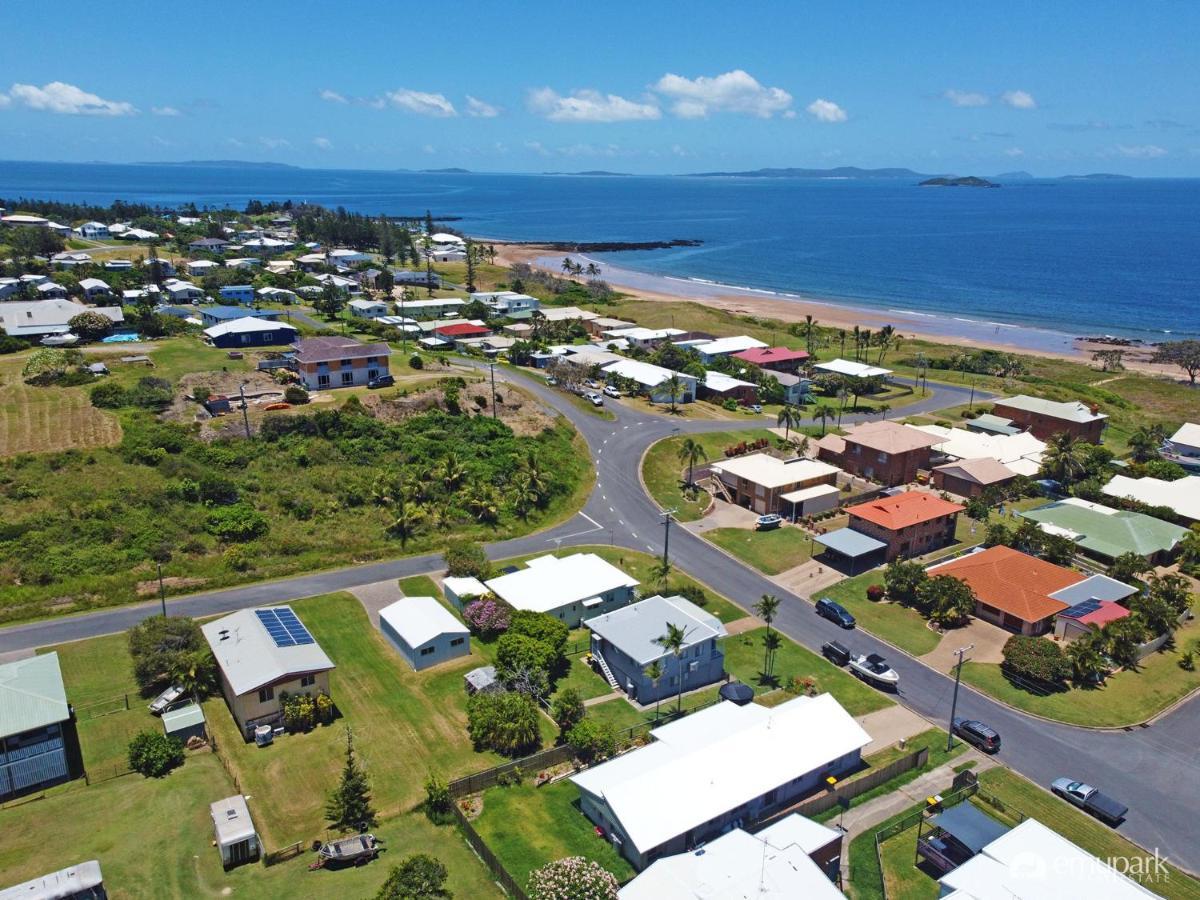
(882, 457)
(266, 695)
(307, 680)
(322, 381)
(347, 378)
(457, 642)
(347, 363)
(372, 373)
(372, 360)
(428, 651)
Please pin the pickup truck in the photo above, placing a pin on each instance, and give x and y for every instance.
(1090, 800)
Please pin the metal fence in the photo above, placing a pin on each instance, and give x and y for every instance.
(543, 759)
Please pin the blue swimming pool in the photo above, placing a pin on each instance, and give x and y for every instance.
(120, 338)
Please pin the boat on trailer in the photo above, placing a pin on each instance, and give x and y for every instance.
(357, 850)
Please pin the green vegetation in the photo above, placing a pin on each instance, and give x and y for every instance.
(771, 552)
(900, 876)
(623, 715)
(901, 625)
(799, 670)
(663, 472)
(527, 827)
(865, 878)
(82, 529)
(154, 754)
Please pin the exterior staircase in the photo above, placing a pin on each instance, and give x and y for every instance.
(719, 488)
(605, 671)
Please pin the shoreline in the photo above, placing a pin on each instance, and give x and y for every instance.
(909, 324)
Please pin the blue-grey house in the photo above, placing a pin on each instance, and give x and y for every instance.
(625, 642)
(37, 733)
(215, 315)
(238, 293)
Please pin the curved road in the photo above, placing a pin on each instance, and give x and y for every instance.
(1154, 769)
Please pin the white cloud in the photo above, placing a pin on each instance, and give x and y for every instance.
(736, 92)
(165, 111)
(826, 111)
(429, 148)
(589, 106)
(537, 147)
(67, 99)
(322, 143)
(332, 96)
(274, 143)
(1141, 151)
(481, 109)
(1018, 100)
(234, 142)
(5, 100)
(1014, 152)
(421, 103)
(966, 98)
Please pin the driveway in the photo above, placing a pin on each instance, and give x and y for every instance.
(989, 641)
(723, 515)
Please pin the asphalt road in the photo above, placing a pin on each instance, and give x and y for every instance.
(1155, 769)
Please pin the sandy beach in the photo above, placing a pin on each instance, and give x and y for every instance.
(833, 314)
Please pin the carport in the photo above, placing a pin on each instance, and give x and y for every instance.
(812, 500)
(850, 547)
(955, 835)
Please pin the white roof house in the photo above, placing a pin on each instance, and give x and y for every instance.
(727, 345)
(635, 629)
(1182, 496)
(567, 314)
(442, 237)
(1187, 439)
(81, 880)
(851, 369)
(1034, 863)
(277, 295)
(721, 383)
(30, 318)
(772, 472)
(551, 582)
(245, 325)
(421, 619)
(252, 652)
(460, 590)
(647, 374)
(774, 864)
(717, 760)
(1021, 452)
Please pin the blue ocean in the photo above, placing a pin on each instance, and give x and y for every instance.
(1071, 256)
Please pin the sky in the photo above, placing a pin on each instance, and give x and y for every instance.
(646, 87)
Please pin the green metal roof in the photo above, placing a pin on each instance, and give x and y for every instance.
(1109, 532)
(181, 717)
(32, 694)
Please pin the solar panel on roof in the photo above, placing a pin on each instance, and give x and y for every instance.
(280, 633)
(1079, 610)
(295, 628)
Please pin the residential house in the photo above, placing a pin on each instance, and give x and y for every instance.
(909, 524)
(461, 590)
(642, 338)
(723, 767)
(419, 278)
(774, 359)
(243, 262)
(882, 451)
(848, 369)
(424, 632)
(971, 477)
(208, 245)
(39, 318)
(215, 315)
(1104, 533)
(166, 268)
(597, 327)
(444, 239)
(1017, 591)
(94, 289)
(567, 314)
(69, 259)
(1046, 418)
(281, 266)
(92, 231)
(137, 234)
(83, 881)
(719, 387)
(233, 830)
(988, 423)
(266, 246)
(1181, 497)
(461, 331)
(198, 268)
(343, 256)
(765, 484)
(38, 746)
(368, 309)
(654, 381)
(333, 362)
(263, 654)
(1021, 453)
(238, 293)
(793, 858)
(48, 290)
(569, 587)
(1091, 604)
(505, 303)
(449, 254)
(626, 641)
(182, 291)
(249, 331)
(432, 308)
(20, 220)
(277, 295)
(727, 346)
(1183, 447)
(11, 287)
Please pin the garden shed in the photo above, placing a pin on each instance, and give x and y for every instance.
(185, 722)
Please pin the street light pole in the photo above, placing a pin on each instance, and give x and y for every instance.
(954, 702)
(162, 591)
(245, 414)
(667, 513)
(492, 366)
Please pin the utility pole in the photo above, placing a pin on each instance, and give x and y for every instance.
(667, 514)
(162, 591)
(971, 404)
(245, 414)
(954, 701)
(492, 366)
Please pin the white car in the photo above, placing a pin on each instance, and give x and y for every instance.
(596, 399)
(610, 391)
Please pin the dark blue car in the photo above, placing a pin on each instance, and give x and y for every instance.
(835, 612)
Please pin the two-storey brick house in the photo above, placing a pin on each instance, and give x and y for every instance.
(910, 524)
(333, 362)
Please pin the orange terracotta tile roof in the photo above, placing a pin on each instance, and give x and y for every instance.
(1012, 581)
(903, 510)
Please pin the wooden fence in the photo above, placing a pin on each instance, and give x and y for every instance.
(502, 875)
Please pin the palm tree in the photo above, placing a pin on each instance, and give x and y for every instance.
(406, 518)
(452, 472)
(884, 338)
(823, 414)
(674, 642)
(842, 333)
(483, 502)
(789, 417)
(568, 265)
(857, 341)
(674, 386)
(884, 409)
(691, 452)
(766, 608)
(809, 324)
(1145, 442)
(1063, 458)
(1087, 662)
(661, 572)
(842, 394)
(655, 672)
(534, 477)
(593, 270)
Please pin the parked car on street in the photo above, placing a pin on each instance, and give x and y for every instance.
(835, 612)
(977, 734)
(767, 522)
(381, 381)
(593, 398)
(611, 391)
(755, 407)
(874, 669)
(163, 701)
(836, 653)
(552, 381)
(1090, 800)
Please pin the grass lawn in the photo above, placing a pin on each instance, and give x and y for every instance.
(901, 877)
(584, 679)
(40, 419)
(662, 471)
(744, 659)
(419, 586)
(623, 715)
(771, 552)
(865, 878)
(902, 626)
(405, 723)
(527, 827)
(1075, 826)
(1126, 698)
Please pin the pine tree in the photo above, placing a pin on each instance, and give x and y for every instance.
(349, 805)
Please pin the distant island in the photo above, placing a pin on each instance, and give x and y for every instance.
(961, 181)
(850, 172)
(221, 164)
(449, 171)
(1097, 176)
(598, 173)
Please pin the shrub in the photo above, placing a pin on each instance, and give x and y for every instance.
(572, 878)
(467, 559)
(1036, 659)
(875, 592)
(438, 801)
(486, 617)
(299, 711)
(154, 754)
(416, 362)
(418, 877)
(237, 558)
(902, 580)
(239, 522)
(295, 394)
(694, 593)
(567, 709)
(506, 722)
(108, 395)
(325, 708)
(91, 325)
(591, 740)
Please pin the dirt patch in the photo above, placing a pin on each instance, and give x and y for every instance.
(261, 388)
(150, 588)
(514, 408)
(472, 807)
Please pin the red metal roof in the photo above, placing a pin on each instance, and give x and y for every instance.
(1108, 612)
(763, 355)
(465, 329)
